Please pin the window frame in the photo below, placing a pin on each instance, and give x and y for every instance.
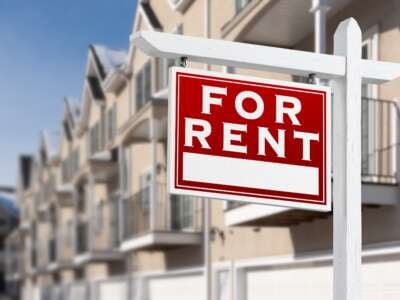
(143, 86)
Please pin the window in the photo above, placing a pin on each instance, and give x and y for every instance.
(145, 181)
(94, 139)
(99, 216)
(82, 193)
(143, 86)
(76, 160)
(111, 123)
(70, 165)
(102, 130)
(64, 171)
(124, 170)
(147, 82)
(182, 212)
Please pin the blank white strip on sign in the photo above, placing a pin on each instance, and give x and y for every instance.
(250, 173)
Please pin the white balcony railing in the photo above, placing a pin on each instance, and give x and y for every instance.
(165, 213)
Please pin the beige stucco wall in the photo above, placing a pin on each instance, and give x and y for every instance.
(95, 271)
(67, 276)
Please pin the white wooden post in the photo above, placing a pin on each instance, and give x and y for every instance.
(347, 165)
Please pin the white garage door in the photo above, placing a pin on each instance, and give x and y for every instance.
(113, 290)
(177, 288)
(35, 294)
(381, 280)
(78, 292)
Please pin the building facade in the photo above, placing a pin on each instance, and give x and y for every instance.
(97, 221)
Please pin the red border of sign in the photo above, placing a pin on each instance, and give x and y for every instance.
(229, 193)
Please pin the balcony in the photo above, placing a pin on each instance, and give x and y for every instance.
(42, 257)
(104, 165)
(138, 128)
(255, 21)
(155, 220)
(65, 194)
(61, 251)
(98, 239)
(65, 248)
(14, 267)
(380, 171)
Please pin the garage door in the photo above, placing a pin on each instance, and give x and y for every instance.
(113, 290)
(35, 294)
(176, 288)
(381, 280)
(78, 292)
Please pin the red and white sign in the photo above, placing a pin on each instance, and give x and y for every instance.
(242, 138)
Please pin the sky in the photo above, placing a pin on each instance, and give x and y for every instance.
(43, 52)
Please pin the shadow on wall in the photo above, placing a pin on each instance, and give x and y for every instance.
(381, 224)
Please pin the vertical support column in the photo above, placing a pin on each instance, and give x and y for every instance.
(319, 9)
(153, 189)
(347, 165)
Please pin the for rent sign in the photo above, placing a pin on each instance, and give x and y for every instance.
(249, 139)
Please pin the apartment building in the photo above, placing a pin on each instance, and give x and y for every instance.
(98, 223)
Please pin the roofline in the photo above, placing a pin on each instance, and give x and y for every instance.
(99, 66)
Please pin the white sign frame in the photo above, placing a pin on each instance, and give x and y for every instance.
(247, 199)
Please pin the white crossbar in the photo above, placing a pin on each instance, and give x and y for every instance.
(250, 56)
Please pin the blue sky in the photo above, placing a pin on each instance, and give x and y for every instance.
(43, 51)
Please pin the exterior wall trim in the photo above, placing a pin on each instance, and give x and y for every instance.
(161, 238)
(369, 251)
